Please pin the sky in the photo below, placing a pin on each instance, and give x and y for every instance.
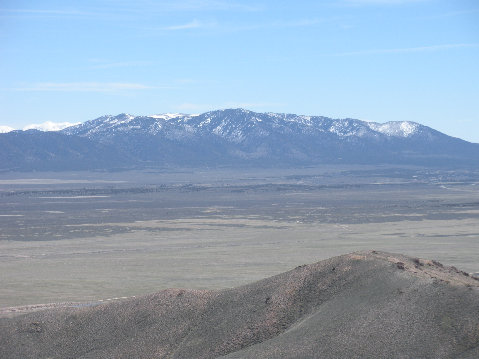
(374, 60)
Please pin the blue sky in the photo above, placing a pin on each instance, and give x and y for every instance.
(375, 60)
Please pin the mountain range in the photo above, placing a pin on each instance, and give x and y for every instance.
(231, 137)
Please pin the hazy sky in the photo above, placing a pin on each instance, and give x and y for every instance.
(375, 60)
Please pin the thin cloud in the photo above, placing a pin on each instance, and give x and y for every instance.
(86, 87)
(381, 2)
(280, 24)
(407, 49)
(206, 5)
(156, 7)
(195, 24)
(43, 12)
(125, 8)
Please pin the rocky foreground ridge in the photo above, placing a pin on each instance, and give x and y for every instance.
(360, 305)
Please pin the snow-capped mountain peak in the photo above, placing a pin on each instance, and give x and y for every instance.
(238, 137)
(49, 126)
(120, 119)
(171, 116)
(239, 125)
(6, 129)
(396, 129)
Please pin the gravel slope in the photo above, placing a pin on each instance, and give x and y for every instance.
(359, 305)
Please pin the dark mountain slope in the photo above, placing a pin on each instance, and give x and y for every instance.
(233, 137)
(283, 138)
(242, 137)
(361, 305)
(53, 151)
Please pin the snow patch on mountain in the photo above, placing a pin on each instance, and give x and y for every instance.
(239, 125)
(120, 119)
(395, 129)
(171, 116)
(6, 129)
(205, 122)
(344, 128)
(49, 126)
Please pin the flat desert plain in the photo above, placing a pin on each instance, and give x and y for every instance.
(95, 237)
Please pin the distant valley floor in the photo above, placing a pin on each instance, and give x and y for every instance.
(90, 236)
